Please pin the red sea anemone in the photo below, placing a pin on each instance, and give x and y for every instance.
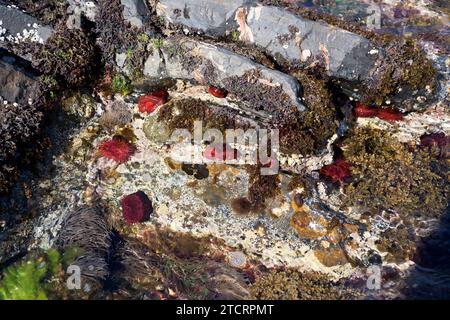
(136, 207)
(437, 139)
(151, 101)
(217, 92)
(117, 149)
(337, 171)
(363, 111)
(220, 153)
(389, 114)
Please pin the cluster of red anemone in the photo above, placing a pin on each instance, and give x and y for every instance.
(136, 207)
(117, 149)
(387, 114)
(337, 171)
(151, 101)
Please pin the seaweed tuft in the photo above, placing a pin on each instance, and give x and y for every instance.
(386, 175)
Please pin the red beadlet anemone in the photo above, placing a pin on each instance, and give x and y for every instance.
(389, 114)
(117, 149)
(136, 207)
(337, 171)
(438, 139)
(151, 101)
(363, 111)
(220, 153)
(217, 92)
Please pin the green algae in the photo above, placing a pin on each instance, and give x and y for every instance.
(37, 277)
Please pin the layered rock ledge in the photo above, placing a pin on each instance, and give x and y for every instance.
(266, 89)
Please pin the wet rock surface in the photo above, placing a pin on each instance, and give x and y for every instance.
(17, 84)
(135, 12)
(358, 187)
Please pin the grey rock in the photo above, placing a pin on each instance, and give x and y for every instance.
(77, 8)
(18, 26)
(205, 63)
(294, 38)
(283, 34)
(135, 12)
(211, 16)
(16, 85)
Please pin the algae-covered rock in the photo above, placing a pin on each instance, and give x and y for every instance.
(294, 285)
(266, 89)
(68, 56)
(18, 125)
(386, 175)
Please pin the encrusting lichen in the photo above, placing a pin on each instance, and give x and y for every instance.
(386, 175)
